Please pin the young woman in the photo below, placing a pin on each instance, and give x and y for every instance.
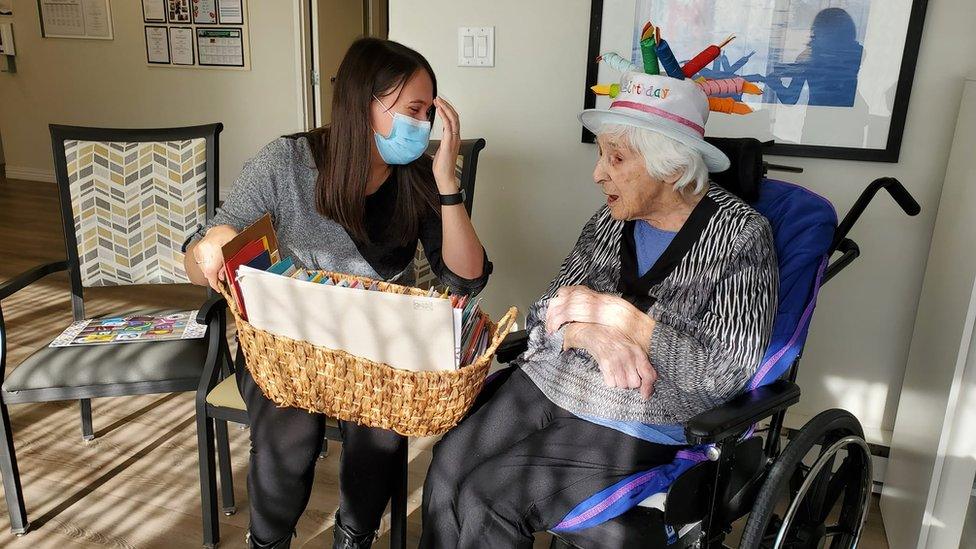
(354, 197)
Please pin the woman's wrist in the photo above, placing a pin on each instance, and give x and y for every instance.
(644, 330)
(446, 185)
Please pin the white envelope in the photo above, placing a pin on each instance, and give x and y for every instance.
(406, 332)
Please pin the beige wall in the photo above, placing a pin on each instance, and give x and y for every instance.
(534, 189)
(107, 83)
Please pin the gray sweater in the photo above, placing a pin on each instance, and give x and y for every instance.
(713, 295)
(280, 180)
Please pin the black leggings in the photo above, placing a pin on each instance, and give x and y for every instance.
(285, 444)
(518, 464)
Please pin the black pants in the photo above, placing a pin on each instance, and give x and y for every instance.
(285, 444)
(518, 464)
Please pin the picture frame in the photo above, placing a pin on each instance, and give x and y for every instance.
(153, 11)
(230, 12)
(177, 35)
(830, 88)
(178, 11)
(155, 51)
(230, 38)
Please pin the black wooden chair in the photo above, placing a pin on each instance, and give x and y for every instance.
(219, 401)
(129, 197)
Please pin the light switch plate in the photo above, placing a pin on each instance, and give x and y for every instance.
(476, 46)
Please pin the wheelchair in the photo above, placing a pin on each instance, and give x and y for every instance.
(815, 491)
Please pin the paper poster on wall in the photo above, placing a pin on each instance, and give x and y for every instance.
(98, 23)
(7, 39)
(231, 12)
(61, 18)
(76, 19)
(181, 45)
(179, 11)
(157, 45)
(204, 11)
(154, 11)
(220, 47)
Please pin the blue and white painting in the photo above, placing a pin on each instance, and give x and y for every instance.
(805, 52)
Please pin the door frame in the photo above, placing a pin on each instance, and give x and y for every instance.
(304, 60)
(375, 21)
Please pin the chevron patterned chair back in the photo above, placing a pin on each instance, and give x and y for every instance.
(130, 198)
(133, 204)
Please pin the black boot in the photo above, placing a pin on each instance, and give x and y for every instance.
(283, 543)
(344, 538)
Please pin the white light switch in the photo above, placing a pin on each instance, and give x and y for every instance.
(476, 46)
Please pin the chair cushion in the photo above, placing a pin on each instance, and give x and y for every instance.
(226, 395)
(89, 365)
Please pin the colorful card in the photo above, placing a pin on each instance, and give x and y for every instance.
(131, 329)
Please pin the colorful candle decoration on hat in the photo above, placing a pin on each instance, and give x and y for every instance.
(707, 55)
(616, 62)
(728, 105)
(667, 59)
(613, 90)
(729, 86)
(648, 50)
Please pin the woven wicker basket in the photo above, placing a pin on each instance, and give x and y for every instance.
(344, 386)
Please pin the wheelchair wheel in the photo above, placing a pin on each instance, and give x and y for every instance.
(817, 491)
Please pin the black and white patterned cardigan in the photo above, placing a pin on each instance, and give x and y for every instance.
(713, 295)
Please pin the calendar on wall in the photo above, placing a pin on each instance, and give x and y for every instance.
(203, 34)
(88, 19)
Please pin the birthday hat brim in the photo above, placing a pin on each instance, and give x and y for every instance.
(595, 119)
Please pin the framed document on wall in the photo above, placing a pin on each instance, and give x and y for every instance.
(181, 45)
(157, 45)
(220, 47)
(231, 12)
(835, 77)
(154, 11)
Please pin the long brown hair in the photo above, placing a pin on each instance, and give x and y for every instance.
(342, 149)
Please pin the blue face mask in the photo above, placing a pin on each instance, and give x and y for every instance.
(407, 141)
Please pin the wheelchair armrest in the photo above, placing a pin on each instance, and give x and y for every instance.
(210, 307)
(29, 277)
(514, 344)
(736, 415)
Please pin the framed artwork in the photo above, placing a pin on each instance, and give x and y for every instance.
(836, 75)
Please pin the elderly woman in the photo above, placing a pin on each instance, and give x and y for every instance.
(662, 310)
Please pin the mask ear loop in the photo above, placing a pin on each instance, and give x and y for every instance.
(387, 109)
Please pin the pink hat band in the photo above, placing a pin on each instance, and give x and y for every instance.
(654, 111)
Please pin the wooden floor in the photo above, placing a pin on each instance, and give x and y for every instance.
(136, 485)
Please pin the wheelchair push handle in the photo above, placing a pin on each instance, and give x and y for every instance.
(898, 192)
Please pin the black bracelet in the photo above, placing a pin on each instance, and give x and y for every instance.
(452, 199)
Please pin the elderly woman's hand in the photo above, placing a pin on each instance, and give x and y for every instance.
(581, 304)
(624, 364)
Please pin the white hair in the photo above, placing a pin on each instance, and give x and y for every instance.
(664, 157)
